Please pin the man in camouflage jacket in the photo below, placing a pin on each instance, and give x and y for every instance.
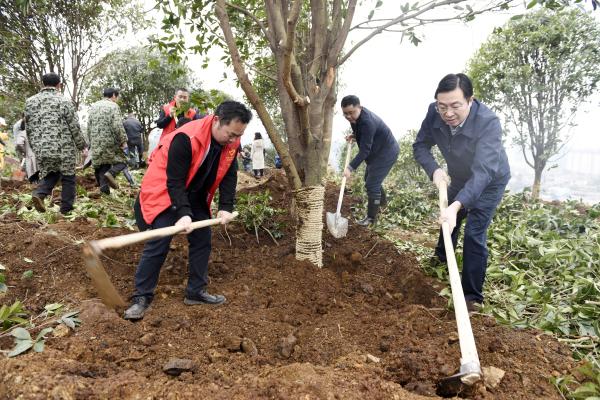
(107, 140)
(53, 131)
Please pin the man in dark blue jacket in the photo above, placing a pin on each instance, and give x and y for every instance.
(469, 137)
(377, 147)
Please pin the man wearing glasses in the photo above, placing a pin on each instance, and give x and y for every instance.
(186, 168)
(469, 137)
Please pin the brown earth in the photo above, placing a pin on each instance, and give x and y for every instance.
(288, 330)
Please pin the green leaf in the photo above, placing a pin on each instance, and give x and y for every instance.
(43, 333)
(21, 334)
(27, 274)
(20, 347)
(38, 347)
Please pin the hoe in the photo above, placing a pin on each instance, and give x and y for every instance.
(470, 370)
(92, 251)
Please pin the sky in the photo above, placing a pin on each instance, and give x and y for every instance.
(397, 80)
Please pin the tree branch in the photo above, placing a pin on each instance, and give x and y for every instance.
(253, 97)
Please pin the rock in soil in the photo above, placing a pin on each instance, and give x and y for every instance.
(492, 376)
(148, 339)
(249, 347)
(372, 359)
(233, 343)
(285, 347)
(60, 331)
(175, 366)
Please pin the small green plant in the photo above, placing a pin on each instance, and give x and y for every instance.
(27, 274)
(256, 213)
(24, 342)
(70, 319)
(12, 315)
(586, 386)
(51, 309)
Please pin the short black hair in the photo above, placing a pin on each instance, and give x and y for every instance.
(350, 100)
(231, 110)
(257, 135)
(110, 92)
(181, 89)
(51, 79)
(453, 81)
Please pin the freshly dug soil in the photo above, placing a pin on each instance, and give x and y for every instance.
(369, 325)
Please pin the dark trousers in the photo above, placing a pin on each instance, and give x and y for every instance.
(155, 253)
(136, 146)
(114, 170)
(375, 173)
(67, 199)
(475, 252)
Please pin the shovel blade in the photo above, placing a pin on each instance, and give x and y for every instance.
(337, 225)
(106, 290)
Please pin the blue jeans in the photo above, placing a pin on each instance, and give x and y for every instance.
(475, 252)
(155, 252)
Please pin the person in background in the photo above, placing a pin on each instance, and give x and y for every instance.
(246, 156)
(24, 149)
(108, 140)
(278, 163)
(183, 174)
(55, 137)
(258, 155)
(168, 121)
(469, 137)
(377, 147)
(135, 142)
(3, 141)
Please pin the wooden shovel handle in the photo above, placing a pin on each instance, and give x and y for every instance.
(343, 185)
(468, 349)
(124, 240)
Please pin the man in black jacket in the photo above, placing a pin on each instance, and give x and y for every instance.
(469, 136)
(135, 143)
(377, 147)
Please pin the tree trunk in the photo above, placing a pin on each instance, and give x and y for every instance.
(537, 182)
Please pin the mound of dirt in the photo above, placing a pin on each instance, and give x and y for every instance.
(369, 325)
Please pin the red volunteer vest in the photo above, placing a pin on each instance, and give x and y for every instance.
(154, 197)
(191, 113)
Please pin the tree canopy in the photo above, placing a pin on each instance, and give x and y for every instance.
(64, 36)
(536, 71)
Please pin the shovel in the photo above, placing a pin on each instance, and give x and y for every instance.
(470, 369)
(338, 225)
(92, 251)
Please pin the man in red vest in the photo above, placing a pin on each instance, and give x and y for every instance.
(166, 118)
(185, 169)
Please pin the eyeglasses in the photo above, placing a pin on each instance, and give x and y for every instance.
(443, 109)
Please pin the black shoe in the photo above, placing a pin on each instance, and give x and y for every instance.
(138, 308)
(383, 202)
(204, 298)
(366, 221)
(474, 306)
(110, 179)
(38, 202)
(436, 261)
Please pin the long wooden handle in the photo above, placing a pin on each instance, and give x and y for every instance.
(468, 349)
(124, 240)
(343, 185)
